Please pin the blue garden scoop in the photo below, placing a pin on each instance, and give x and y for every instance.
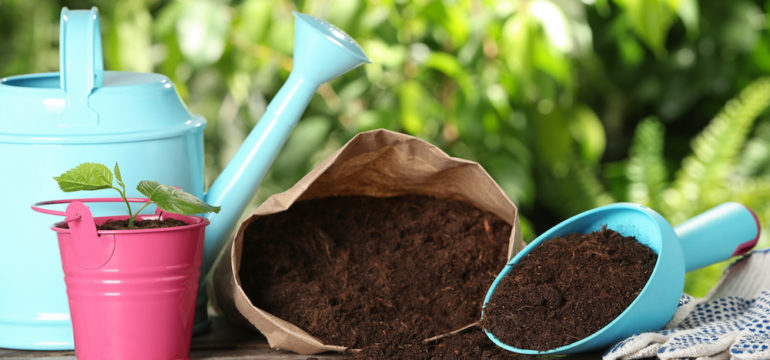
(727, 230)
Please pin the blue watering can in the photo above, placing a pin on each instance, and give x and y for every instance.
(724, 231)
(52, 122)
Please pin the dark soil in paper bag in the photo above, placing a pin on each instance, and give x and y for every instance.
(378, 274)
(568, 288)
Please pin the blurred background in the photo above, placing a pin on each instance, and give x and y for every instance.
(569, 105)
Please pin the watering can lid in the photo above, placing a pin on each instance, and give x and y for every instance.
(82, 98)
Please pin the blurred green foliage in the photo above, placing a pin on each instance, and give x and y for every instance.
(569, 105)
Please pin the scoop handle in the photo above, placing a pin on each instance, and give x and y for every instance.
(727, 230)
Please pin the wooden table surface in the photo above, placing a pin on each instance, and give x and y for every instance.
(226, 342)
(223, 342)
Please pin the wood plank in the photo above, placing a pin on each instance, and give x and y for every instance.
(223, 342)
(227, 342)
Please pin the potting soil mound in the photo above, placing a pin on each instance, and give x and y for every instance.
(568, 288)
(141, 224)
(378, 274)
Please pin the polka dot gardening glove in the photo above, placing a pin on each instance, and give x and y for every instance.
(731, 322)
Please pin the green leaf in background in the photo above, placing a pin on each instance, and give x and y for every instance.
(86, 176)
(630, 49)
(457, 22)
(714, 154)
(256, 19)
(586, 128)
(575, 187)
(689, 12)
(698, 283)
(650, 20)
(174, 200)
(553, 40)
(552, 141)
(307, 136)
(743, 28)
(445, 63)
(130, 43)
(386, 55)
(517, 42)
(755, 158)
(412, 98)
(646, 168)
(202, 27)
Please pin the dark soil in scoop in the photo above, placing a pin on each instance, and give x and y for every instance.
(141, 224)
(568, 288)
(379, 274)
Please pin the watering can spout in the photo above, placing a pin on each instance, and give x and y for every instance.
(321, 53)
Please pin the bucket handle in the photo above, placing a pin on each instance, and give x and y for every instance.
(37, 206)
(91, 250)
(81, 66)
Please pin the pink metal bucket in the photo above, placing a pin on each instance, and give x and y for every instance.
(131, 292)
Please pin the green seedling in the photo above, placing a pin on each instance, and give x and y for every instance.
(94, 176)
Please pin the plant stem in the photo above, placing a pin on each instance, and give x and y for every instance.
(132, 218)
(125, 199)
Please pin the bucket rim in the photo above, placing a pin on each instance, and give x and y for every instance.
(192, 221)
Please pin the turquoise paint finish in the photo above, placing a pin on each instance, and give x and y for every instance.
(321, 53)
(703, 238)
(52, 122)
(700, 241)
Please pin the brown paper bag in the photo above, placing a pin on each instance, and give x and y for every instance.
(378, 163)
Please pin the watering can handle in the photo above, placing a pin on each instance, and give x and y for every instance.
(724, 231)
(81, 67)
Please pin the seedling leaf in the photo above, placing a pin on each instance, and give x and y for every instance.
(94, 176)
(174, 200)
(118, 177)
(86, 176)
